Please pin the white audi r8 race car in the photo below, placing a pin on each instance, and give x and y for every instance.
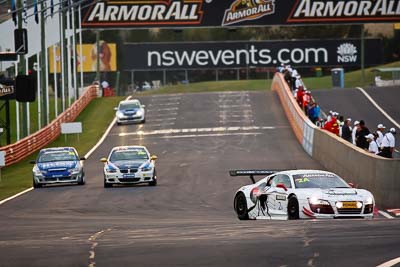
(129, 165)
(300, 194)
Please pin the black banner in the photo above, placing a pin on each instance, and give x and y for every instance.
(208, 55)
(234, 13)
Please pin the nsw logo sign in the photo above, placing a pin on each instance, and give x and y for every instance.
(347, 53)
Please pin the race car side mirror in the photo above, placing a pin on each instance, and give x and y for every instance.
(153, 157)
(115, 108)
(103, 160)
(281, 186)
(352, 185)
(32, 162)
(143, 106)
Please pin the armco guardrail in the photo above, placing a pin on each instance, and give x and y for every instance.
(379, 175)
(23, 148)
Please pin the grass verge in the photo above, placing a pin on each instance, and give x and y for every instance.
(95, 120)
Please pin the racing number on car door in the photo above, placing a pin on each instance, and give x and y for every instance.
(280, 195)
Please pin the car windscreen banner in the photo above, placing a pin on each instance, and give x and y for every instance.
(234, 13)
(208, 55)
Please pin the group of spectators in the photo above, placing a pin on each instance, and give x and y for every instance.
(300, 92)
(378, 142)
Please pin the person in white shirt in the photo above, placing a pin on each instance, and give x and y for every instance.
(354, 131)
(373, 146)
(379, 131)
(388, 143)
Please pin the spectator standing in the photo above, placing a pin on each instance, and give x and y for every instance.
(360, 135)
(306, 101)
(354, 132)
(379, 132)
(299, 96)
(388, 144)
(346, 130)
(332, 125)
(373, 146)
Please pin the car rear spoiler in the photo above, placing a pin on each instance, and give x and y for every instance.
(252, 173)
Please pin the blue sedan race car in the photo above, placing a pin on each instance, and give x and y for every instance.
(58, 165)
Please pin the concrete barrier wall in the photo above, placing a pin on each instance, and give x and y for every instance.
(379, 175)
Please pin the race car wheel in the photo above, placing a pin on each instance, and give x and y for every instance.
(154, 182)
(293, 208)
(106, 185)
(35, 184)
(81, 179)
(241, 207)
(144, 120)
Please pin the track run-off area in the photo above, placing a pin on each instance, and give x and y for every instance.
(188, 218)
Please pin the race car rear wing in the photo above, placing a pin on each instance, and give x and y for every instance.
(252, 173)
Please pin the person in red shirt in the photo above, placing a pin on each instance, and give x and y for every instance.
(332, 125)
(299, 96)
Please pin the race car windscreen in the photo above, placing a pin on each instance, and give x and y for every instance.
(131, 154)
(133, 105)
(57, 156)
(319, 180)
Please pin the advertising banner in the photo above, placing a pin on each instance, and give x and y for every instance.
(234, 13)
(108, 57)
(209, 55)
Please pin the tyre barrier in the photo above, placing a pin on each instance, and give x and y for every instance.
(28, 145)
(379, 175)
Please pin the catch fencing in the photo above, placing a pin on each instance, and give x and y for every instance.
(28, 145)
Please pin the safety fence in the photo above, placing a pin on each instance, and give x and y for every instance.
(28, 145)
(379, 175)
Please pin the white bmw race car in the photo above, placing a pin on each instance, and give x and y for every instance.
(129, 165)
(300, 194)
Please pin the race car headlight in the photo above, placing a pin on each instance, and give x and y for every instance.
(111, 169)
(317, 201)
(369, 201)
(38, 172)
(120, 114)
(75, 170)
(146, 169)
(139, 113)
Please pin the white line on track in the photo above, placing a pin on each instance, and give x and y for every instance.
(235, 106)
(197, 130)
(390, 263)
(385, 214)
(207, 135)
(16, 195)
(164, 104)
(164, 119)
(161, 109)
(378, 107)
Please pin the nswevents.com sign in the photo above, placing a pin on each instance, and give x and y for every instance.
(243, 54)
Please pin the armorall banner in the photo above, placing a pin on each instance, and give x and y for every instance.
(210, 55)
(234, 13)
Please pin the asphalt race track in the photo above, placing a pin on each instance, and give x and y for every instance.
(188, 218)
